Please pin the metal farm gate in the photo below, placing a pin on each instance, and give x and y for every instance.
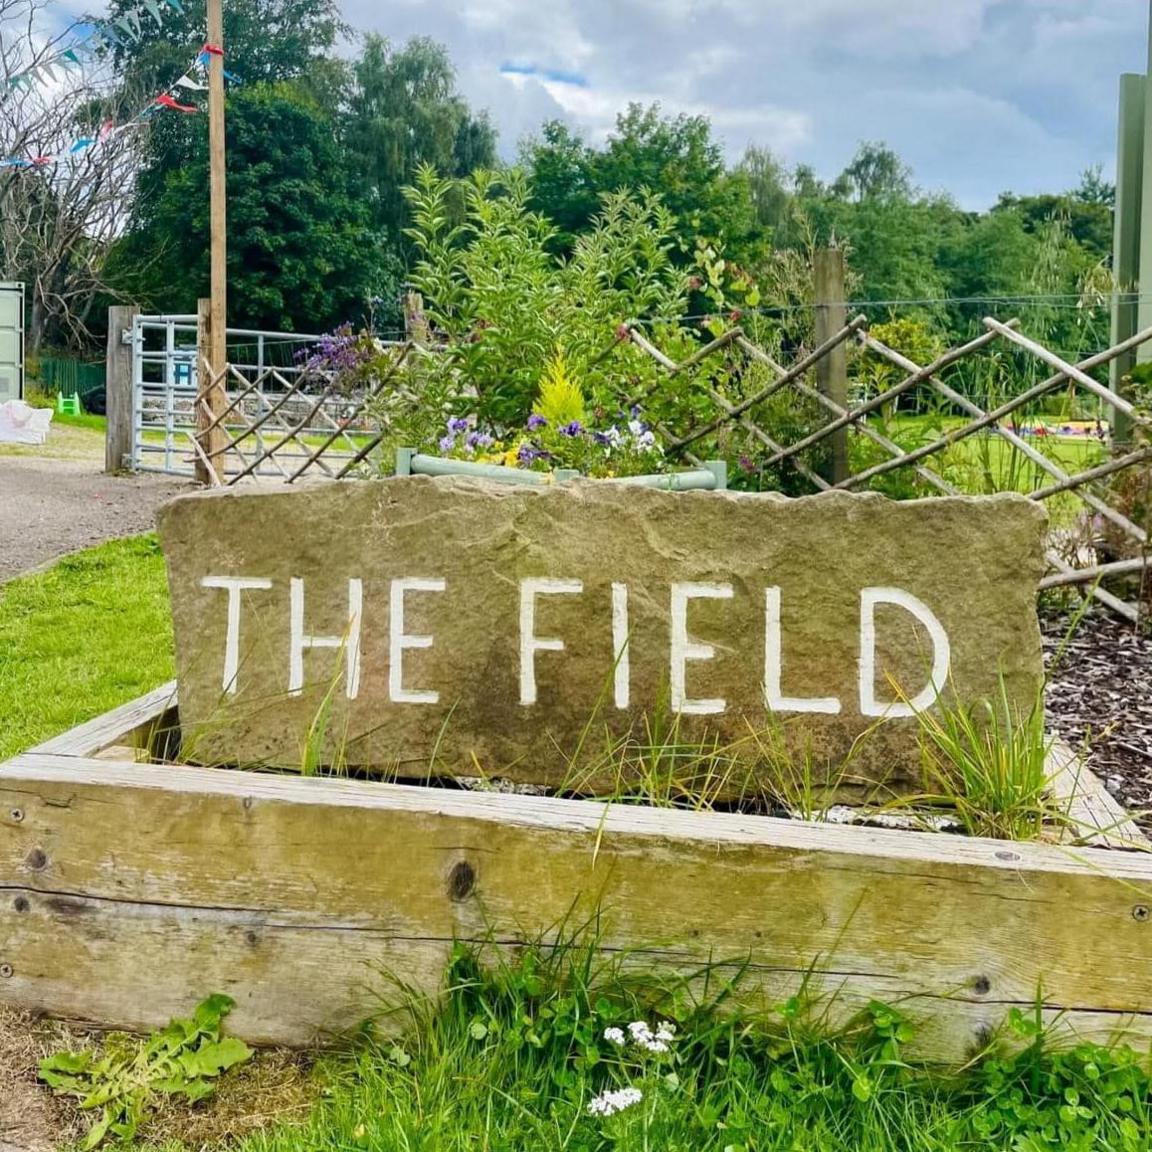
(277, 416)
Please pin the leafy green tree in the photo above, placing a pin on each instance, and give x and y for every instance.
(301, 252)
(267, 41)
(674, 156)
(563, 183)
(770, 186)
(405, 112)
(876, 173)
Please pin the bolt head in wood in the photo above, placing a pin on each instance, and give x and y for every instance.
(1141, 913)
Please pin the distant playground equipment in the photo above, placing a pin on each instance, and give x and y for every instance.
(1062, 430)
(69, 405)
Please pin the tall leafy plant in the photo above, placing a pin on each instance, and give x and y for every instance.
(502, 302)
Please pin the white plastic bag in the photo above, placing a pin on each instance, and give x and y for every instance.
(22, 424)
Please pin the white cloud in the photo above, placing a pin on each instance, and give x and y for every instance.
(979, 95)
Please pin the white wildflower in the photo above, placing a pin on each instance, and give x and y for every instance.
(639, 1031)
(656, 1042)
(611, 1102)
(666, 1032)
(615, 1036)
(636, 428)
(646, 442)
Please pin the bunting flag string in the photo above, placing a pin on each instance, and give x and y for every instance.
(129, 28)
(193, 80)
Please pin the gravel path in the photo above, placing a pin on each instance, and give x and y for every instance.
(57, 500)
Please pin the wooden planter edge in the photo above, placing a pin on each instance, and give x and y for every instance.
(129, 890)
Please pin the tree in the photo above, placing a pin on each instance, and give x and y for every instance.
(563, 184)
(58, 216)
(1094, 189)
(769, 185)
(267, 41)
(876, 173)
(675, 157)
(301, 252)
(405, 112)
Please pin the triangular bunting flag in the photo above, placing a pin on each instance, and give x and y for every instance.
(130, 22)
(108, 34)
(167, 101)
(190, 84)
(153, 10)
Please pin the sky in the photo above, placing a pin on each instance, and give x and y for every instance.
(978, 96)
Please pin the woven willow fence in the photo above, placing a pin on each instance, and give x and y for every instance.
(284, 428)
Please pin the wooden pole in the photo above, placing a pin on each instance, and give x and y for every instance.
(832, 370)
(1126, 312)
(120, 430)
(214, 343)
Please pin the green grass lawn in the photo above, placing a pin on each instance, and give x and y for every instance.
(88, 635)
(513, 1057)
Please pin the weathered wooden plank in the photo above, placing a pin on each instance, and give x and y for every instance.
(299, 982)
(125, 888)
(126, 725)
(1095, 816)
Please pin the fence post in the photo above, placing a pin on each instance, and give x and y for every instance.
(415, 322)
(832, 371)
(211, 400)
(120, 432)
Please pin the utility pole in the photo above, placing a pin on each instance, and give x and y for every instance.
(211, 399)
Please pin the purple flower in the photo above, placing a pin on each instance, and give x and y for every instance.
(447, 443)
(476, 440)
(572, 430)
(536, 422)
(747, 464)
(528, 454)
(457, 425)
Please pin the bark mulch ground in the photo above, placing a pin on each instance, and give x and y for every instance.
(1100, 699)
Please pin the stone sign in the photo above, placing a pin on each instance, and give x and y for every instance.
(423, 626)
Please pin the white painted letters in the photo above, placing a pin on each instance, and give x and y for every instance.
(530, 643)
(684, 649)
(350, 641)
(774, 698)
(620, 645)
(398, 641)
(234, 585)
(870, 598)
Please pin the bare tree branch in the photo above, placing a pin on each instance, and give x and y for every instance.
(58, 221)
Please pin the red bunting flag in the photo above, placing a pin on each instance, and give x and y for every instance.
(167, 101)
